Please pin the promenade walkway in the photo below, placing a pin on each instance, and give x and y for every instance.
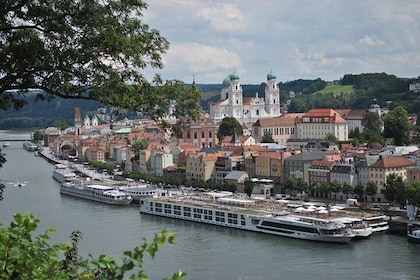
(83, 169)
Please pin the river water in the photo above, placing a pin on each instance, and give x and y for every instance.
(203, 251)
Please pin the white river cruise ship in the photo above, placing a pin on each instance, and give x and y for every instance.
(96, 192)
(234, 212)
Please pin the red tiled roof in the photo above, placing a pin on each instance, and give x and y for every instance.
(275, 122)
(228, 138)
(327, 164)
(391, 162)
(77, 112)
(334, 116)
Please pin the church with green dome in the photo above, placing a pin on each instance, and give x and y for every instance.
(232, 103)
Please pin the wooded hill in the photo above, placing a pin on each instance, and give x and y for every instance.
(352, 92)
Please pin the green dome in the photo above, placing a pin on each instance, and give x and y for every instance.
(271, 76)
(226, 82)
(234, 76)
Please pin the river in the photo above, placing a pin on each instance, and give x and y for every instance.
(203, 251)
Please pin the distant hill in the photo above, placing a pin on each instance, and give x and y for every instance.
(42, 114)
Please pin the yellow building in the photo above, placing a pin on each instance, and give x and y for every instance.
(201, 166)
(318, 123)
(379, 170)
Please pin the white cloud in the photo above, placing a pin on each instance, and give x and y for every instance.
(188, 59)
(223, 17)
(295, 38)
(370, 42)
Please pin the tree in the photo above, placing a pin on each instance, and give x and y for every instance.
(137, 146)
(290, 184)
(332, 138)
(359, 189)
(397, 126)
(301, 186)
(38, 136)
(371, 189)
(324, 189)
(347, 189)
(413, 194)
(394, 189)
(248, 187)
(267, 137)
(372, 126)
(87, 50)
(25, 257)
(93, 50)
(61, 124)
(229, 126)
(335, 186)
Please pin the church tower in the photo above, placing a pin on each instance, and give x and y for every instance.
(235, 96)
(77, 121)
(272, 96)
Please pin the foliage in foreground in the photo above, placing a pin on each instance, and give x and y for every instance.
(25, 257)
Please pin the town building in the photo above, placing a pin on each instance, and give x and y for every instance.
(379, 171)
(297, 166)
(201, 133)
(281, 128)
(415, 85)
(201, 166)
(319, 172)
(319, 123)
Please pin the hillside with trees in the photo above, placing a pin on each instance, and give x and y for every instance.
(388, 90)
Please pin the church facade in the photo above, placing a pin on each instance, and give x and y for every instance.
(232, 103)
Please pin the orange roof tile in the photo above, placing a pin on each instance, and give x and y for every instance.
(391, 162)
(276, 121)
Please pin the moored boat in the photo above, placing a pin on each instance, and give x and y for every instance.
(63, 174)
(94, 192)
(379, 223)
(30, 146)
(360, 228)
(6, 144)
(413, 232)
(243, 214)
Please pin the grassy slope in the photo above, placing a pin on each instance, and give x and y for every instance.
(337, 89)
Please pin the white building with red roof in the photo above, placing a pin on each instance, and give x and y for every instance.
(319, 123)
(232, 103)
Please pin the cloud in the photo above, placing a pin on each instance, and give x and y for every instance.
(201, 60)
(223, 17)
(297, 39)
(370, 42)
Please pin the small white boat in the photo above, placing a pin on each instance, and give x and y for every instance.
(413, 232)
(30, 146)
(358, 226)
(6, 144)
(379, 223)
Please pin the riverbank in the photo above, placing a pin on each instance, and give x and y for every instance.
(397, 224)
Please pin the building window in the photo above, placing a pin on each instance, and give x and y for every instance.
(195, 135)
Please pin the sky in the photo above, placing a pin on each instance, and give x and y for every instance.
(296, 39)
